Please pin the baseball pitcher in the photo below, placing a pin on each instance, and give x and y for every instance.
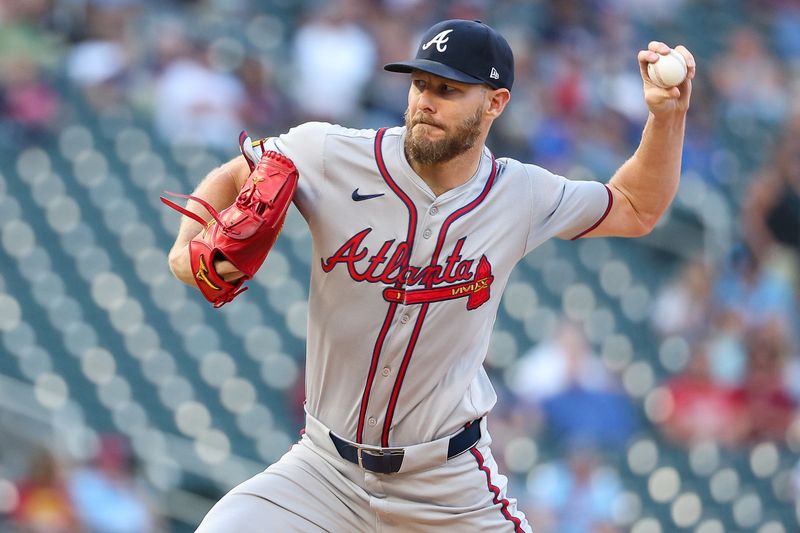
(415, 232)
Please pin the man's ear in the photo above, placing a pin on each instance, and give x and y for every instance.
(497, 100)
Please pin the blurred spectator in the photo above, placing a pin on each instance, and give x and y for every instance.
(265, 110)
(23, 33)
(100, 63)
(602, 145)
(698, 408)
(553, 136)
(107, 496)
(772, 200)
(28, 54)
(579, 398)
(573, 495)
(726, 350)
(28, 102)
(767, 404)
(386, 95)
(556, 364)
(334, 58)
(786, 30)
(44, 505)
(195, 104)
(755, 293)
(605, 418)
(749, 79)
(524, 111)
(683, 306)
(651, 11)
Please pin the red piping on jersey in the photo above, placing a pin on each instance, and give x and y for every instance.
(412, 210)
(496, 491)
(412, 228)
(398, 384)
(602, 218)
(401, 374)
(376, 353)
(463, 211)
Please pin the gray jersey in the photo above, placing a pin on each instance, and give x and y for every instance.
(405, 284)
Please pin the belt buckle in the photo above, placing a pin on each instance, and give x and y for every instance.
(378, 452)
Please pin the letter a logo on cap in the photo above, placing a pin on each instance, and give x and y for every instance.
(440, 40)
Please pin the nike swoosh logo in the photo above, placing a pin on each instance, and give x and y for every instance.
(360, 197)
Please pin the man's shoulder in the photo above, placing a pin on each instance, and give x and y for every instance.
(530, 170)
(329, 129)
(336, 137)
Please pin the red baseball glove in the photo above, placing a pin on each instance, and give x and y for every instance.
(245, 232)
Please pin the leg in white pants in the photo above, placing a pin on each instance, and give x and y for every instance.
(311, 491)
(301, 493)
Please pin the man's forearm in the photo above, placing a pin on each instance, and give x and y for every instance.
(219, 188)
(649, 179)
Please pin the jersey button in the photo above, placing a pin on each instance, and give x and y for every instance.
(404, 319)
(427, 233)
(372, 421)
(385, 372)
(434, 210)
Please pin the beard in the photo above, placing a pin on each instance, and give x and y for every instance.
(427, 152)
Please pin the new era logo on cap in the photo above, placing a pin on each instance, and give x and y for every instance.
(468, 51)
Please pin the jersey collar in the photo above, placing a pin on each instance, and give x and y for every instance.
(477, 179)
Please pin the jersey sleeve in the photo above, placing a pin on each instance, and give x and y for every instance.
(563, 208)
(305, 146)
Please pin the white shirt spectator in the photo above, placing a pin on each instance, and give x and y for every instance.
(196, 105)
(557, 364)
(334, 61)
(95, 62)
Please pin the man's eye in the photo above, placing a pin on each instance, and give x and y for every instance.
(419, 84)
(448, 89)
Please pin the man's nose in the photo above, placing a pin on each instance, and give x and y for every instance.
(426, 101)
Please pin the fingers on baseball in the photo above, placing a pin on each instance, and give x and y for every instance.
(658, 47)
(691, 64)
(646, 57)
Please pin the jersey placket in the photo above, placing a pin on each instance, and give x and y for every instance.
(435, 255)
(367, 411)
(424, 251)
(401, 335)
(409, 325)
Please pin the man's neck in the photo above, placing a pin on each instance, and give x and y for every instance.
(442, 177)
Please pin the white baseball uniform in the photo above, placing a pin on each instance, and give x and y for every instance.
(404, 292)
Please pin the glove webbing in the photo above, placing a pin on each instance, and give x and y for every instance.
(210, 208)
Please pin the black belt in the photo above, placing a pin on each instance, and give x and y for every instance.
(389, 460)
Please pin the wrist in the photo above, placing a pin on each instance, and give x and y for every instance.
(668, 120)
(180, 264)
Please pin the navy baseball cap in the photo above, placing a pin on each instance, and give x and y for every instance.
(468, 51)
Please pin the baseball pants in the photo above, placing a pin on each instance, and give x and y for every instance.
(311, 489)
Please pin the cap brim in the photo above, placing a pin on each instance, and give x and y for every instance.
(432, 67)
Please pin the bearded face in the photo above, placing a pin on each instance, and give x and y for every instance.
(457, 140)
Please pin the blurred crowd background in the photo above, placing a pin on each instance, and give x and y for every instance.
(645, 386)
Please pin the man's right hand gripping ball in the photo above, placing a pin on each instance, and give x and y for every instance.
(243, 233)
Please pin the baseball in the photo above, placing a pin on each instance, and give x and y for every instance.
(670, 70)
